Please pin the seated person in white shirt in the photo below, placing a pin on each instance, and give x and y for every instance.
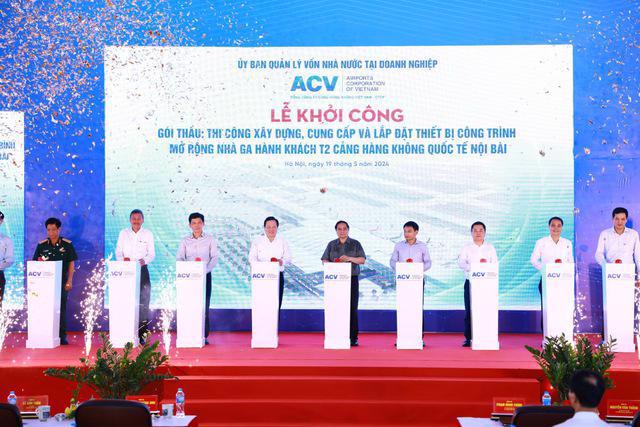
(585, 393)
(271, 247)
(551, 249)
(199, 246)
(473, 252)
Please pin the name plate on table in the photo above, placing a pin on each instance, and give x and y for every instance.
(29, 404)
(625, 409)
(151, 400)
(506, 406)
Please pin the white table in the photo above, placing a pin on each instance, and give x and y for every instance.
(478, 422)
(157, 422)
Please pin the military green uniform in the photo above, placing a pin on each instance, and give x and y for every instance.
(62, 251)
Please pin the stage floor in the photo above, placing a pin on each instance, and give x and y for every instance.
(305, 349)
(300, 383)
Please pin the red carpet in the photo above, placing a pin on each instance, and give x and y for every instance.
(300, 383)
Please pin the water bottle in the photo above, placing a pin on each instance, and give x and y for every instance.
(180, 403)
(12, 399)
(546, 399)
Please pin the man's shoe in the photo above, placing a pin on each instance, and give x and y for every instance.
(206, 342)
(354, 343)
(466, 343)
(63, 341)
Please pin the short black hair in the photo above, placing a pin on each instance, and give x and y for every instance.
(54, 221)
(588, 386)
(618, 210)
(341, 222)
(484, 227)
(411, 224)
(195, 215)
(136, 211)
(556, 217)
(271, 218)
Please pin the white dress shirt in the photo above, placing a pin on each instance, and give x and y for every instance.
(263, 249)
(471, 253)
(613, 246)
(6, 252)
(583, 419)
(547, 251)
(135, 246)
(203, 247)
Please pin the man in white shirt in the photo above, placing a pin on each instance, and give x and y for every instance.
(271, 247)
(585, 393)
(136, 244)
(551, 249)
(199, 246)
(6, 257)
(476, 251)
(619, 244)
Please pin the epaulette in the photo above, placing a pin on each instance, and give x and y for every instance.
(66, 240)
(43, 241)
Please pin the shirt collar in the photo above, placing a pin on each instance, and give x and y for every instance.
(626, 230)
(267, 238)
(586, 415)
(202, 236)
(139, 231)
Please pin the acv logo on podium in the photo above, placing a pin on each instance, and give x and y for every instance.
(336, 277)
(408, 277)
(189, 275)
(625, 276)
(264, 276)
(40, 274)
(484, 274)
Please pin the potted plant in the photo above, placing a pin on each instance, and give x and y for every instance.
(115, 375)
(559, 359)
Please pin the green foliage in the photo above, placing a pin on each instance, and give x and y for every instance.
(560, 359)
(115, 375)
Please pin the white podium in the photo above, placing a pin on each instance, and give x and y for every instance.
(190, 305)
(124, 299)
(44, 281)
(618, 301)
(483, 280)
(409, 299)
(558, 300)
(265, 284)
(337, 305)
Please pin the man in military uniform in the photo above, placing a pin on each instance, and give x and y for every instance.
(56, 248)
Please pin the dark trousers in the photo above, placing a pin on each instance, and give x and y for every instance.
(3, 282)
(63, 308)
(281, 292)
(145, 296)
(467, 310)
(207, 304)
(541, 307)
(355, 296)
